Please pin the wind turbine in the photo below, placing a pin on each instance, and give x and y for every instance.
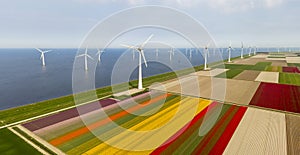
(206, 51)
(242, 51)
(133, 54)
(255, 50)
(171, 52)
(43, 55)
(190, 53)
(156, 53)
(229, 52)
(99, 53)
(140, 50)
(86, 56)
(250, 50)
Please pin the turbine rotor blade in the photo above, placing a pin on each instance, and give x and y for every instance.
(47, 51)
(81, 55)
(39, 50)
(129, 46)
(89, 56)
(145, 42)
(99, 51)
(142, 53)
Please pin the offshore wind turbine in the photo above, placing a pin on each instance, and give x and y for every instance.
(133, 54)
(86, 56)
(171, 52)
(43, 55)
(242, 51)
(156, 53)
(250, 50)
(140, 50)
(229, 52)
(99, 53)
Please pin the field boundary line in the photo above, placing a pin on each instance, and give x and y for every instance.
(40, 140)
(28, 141)
(53, 112)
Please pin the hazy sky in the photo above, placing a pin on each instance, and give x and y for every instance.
(64, 23)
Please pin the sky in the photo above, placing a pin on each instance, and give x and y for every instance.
(64, 24)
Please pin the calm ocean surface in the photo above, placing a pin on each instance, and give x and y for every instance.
(23, 80)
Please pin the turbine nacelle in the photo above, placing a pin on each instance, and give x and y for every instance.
(42, 57)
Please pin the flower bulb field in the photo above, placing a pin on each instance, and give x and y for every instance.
(248, 106)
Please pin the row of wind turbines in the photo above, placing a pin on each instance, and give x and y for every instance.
(85, 55)
(229, 50)
(140, 50)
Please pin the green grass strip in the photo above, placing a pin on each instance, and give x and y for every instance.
(34, 141)
(289, 78)
(261, 66)
(294, 65)
(230, 73)
(274, 68)
(11, 144)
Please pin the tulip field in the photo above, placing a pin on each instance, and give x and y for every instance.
(67, 132)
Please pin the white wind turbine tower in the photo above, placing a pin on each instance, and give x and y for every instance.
(229, 52)
(140, 50)
(250, 50)
(190, 53)
(206, 51)
(99, 53)
(86, 56)
(255, 50)
(133, 54)
(43, 55)
(156, 53)
(171, 52)
(242, 51)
